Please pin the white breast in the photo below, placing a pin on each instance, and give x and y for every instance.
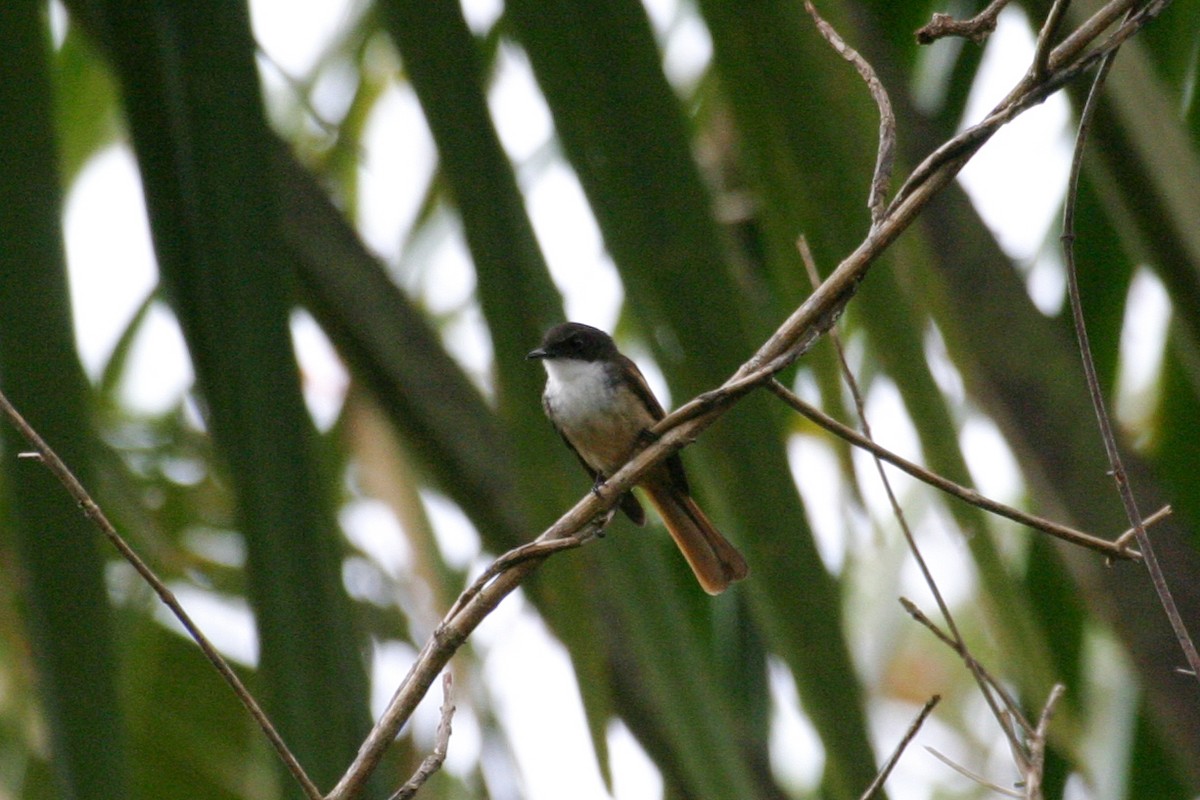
(577, 391)
(601, 421)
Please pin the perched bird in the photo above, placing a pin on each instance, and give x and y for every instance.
(599, 402)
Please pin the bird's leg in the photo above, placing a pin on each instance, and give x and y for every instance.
(601, 521)
(645, 438)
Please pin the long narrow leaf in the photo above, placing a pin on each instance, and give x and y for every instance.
(62, 572)
(192, 98)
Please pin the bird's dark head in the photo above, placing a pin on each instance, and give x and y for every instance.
(575, 341)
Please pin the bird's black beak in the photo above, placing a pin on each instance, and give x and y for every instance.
(539, 353)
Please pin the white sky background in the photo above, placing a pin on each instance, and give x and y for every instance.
(1016, 182)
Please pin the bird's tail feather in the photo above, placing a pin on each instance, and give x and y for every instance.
(714, 560)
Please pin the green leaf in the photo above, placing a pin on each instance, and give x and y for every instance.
(58, 552)
(192, 98)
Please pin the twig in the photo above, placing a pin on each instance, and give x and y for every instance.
(1081, 37)
(1005, 710)
(1048, 710)
(537, 549)
(1037, 746)
(92, 511)
(823, 306)
(921, 617)
(915, 726)
(1149, 522)
(1118, 549)
(977, 28)
(1041, 52)
(1029, 748)
(886, 156)
(432, 762)
(711, 404)
(979, 779)
(1117, 467)
(861, 408)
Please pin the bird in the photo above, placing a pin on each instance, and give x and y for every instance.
(599, 402)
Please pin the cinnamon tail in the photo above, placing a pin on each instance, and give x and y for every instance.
(715, 561)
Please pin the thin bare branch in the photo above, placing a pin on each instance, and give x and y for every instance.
(823, 307)
(1116, 465)
(48, 457)
(886, 155)
(1026, 742)
(915, 726)
(1005, 710)
(432, 762)
(1078, 40)
(977, 28)
(1045, 40)
(1037, 746)
(979, 779)
(536, 549)
(861, 409)
(1113, 550)
(711, 404)
(1131, 534)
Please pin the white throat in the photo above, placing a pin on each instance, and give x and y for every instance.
(577, 390)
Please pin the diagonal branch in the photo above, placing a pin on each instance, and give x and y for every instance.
(1118, 549)
(1041, 56)
(574, 528)
(913, 727)
(1117, 467)
(45, 454)
(1035, 771)
(1066, 62)
(973, 777)
(433, 762)
(1000, 702)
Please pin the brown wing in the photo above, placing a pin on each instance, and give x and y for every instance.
(628, 503)
(642, 390)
